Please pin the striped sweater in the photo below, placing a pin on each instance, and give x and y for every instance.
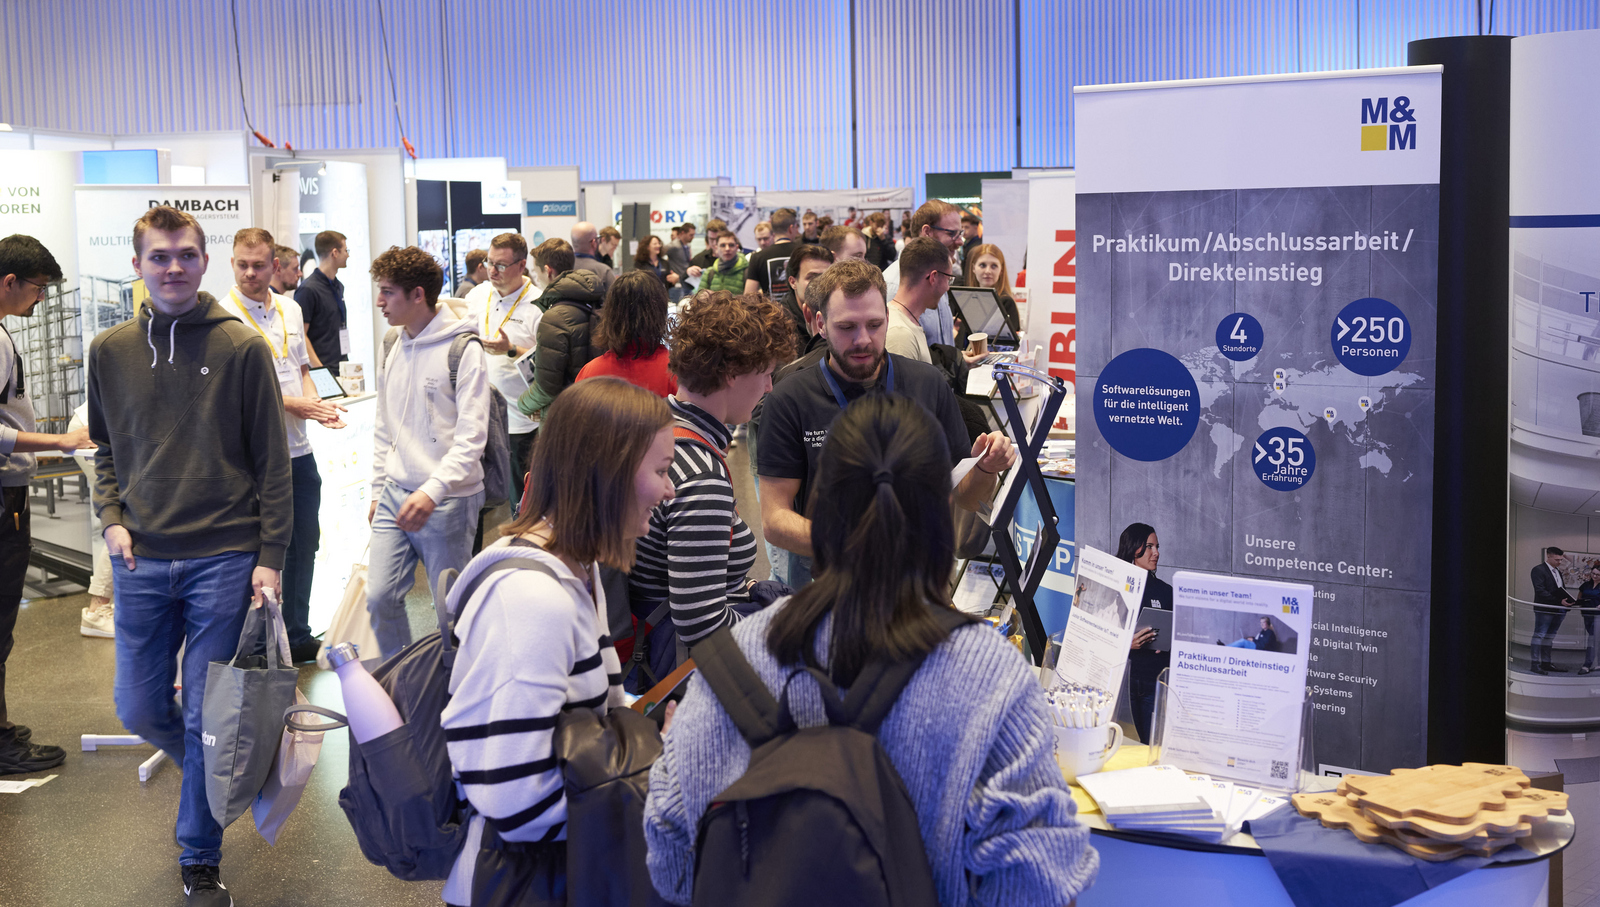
(698, 550)
(532, 645)
(971, 739)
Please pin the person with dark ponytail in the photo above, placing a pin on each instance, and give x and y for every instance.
(969, 735)
(1140, 547)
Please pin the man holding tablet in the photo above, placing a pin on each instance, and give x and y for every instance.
(278, 320)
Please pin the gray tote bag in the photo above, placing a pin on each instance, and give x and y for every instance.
(241, 719)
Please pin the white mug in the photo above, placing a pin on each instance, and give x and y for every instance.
(1085, 750)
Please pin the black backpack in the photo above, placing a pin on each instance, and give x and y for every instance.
(401, 796)
(821, 815)
(496, 456)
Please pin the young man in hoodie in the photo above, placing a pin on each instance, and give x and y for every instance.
(192, 484)
(427, 481)
(26, 271)
(571, 304)
(278, 320)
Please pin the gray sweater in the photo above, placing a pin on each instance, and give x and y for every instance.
(970, 738)
(16, 415)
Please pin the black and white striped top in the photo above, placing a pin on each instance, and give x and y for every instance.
(533, 644)
(698, 551)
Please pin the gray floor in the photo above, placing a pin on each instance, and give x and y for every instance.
(95, 836)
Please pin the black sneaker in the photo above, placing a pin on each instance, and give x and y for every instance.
(19, 755)
(300, 653)
(202, 887)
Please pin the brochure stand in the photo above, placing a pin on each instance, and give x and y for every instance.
(1024, 579)
(1305, 779)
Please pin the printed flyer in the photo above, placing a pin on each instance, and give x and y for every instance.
(1238, 682)
(1104, 607)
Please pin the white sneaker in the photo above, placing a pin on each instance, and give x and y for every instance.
(98, 622)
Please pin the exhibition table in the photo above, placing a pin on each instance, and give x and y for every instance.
(1137, 867)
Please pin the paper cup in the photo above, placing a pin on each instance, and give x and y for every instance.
(1085, 750)
(978, 343)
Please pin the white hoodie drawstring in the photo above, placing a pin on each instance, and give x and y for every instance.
(172, 334)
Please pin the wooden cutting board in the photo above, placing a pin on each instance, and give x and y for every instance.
(1453, 794)
(1516, 819)
(1337, 812)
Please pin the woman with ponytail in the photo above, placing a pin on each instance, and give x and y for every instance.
(969, 734)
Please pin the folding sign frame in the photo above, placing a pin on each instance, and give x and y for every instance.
(1025, 579)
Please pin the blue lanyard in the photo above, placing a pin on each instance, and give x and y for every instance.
(838, 393)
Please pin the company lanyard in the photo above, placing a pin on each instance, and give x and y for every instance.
(838, 393)
(234, 295)
(489, 305)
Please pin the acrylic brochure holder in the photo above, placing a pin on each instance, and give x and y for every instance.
(1024, 579)
(1305, 779)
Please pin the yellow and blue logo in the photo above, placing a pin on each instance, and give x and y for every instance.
(1388, 125)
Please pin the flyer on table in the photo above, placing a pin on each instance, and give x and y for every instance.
(1238, 680)
(1105, 606)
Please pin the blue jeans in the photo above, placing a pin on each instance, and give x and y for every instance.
(443, 543)
(1545, 625)
(794, 570)
(300, 561)
(161, 603)
(1242, 644)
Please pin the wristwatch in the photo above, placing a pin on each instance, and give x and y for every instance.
(511, 351)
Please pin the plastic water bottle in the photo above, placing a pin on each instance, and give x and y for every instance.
(367, 707)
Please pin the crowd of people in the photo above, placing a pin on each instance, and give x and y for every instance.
(600, 408)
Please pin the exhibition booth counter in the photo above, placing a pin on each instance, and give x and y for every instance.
(1134, 865)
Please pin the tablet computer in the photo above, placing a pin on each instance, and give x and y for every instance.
(328, 386)
(1159, 620)
(979, 308)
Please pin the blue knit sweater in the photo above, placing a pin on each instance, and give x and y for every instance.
(970, 738)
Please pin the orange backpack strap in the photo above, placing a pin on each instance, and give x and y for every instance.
(689, 434)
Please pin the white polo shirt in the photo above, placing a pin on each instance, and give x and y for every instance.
(517, 317)
(280, 323)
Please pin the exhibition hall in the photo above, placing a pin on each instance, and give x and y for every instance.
(868, 452)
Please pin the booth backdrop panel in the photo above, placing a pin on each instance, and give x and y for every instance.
(36, 198)
(1359, 527)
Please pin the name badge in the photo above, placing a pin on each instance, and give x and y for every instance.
(288, 374)
(344, 341)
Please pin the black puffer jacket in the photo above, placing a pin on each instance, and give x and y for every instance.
(565, 339)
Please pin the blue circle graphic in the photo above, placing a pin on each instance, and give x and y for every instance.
(1239, 336)
(1371, 336)
(1283, 459)
(1146, 405)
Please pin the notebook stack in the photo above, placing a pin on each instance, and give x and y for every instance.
(1166, 799)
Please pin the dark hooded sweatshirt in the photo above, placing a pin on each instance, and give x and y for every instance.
(192, 459)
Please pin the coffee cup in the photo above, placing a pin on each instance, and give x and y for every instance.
(978, 343)
(1086, 750)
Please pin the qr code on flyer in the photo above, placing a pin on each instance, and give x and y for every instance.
(1280, 770)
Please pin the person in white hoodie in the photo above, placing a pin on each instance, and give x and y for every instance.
(534, 639)
(427, 474)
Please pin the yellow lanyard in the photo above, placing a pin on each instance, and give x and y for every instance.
(234, 295)
(487, 305)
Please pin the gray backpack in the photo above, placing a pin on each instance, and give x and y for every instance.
(496, 457)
